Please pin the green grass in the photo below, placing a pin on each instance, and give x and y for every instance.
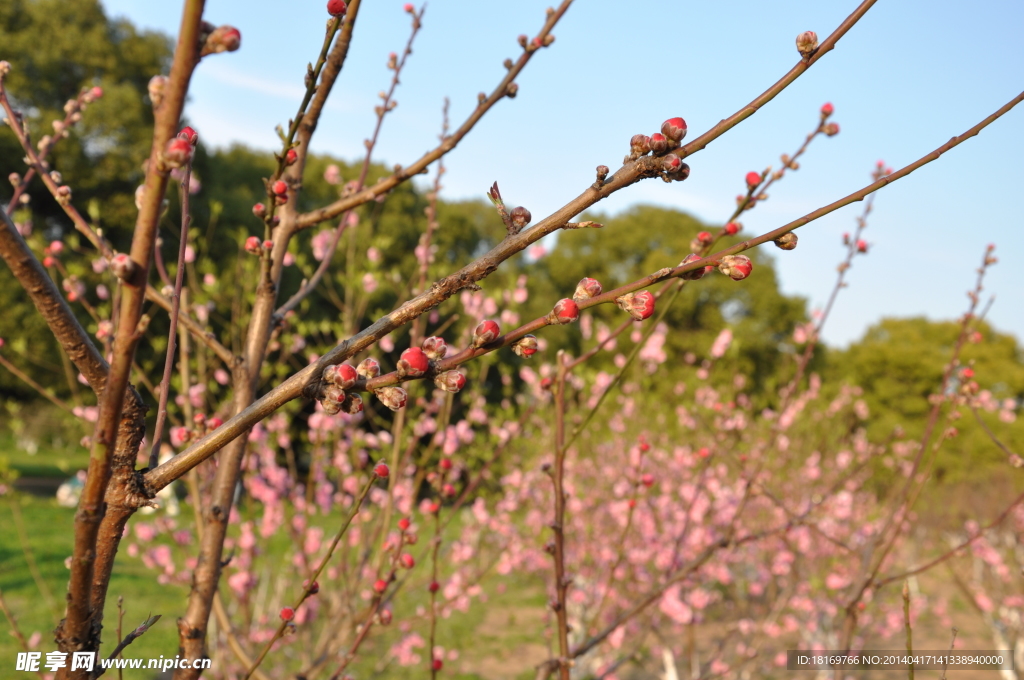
(47, 461)
(50, 540)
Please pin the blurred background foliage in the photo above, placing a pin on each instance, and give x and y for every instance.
(57, 48)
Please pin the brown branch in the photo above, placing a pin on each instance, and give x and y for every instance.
(313, 218)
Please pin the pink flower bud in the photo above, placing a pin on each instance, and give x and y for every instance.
(485, 333)
(435, 348)
(525, 346)
(291, 156)
(408, 7)
(96, 92)
(731, 228)
(268, 245)
(672, 164)
(280, 189)
(659, 144)
(49, 261)
(448, 491)
(189, 135)
(385, 617)
(253, 245)
(565, 311)
(155, 88)
(336, 8)
(178, 152)
(736, 267)
(647, 480)
(213, 423)
(586, 289)
(407, 560)
(434, 586)
(287, 613)
(806, 43)
(122, 266)
(862, 246)
(787, 241)
(445, 464)
(392, 397)
(450, 381)
(827, 109)
(674, 129)
(368, 368)
(640, 305)
(413, 363)
(222, 39)
(379, 586)
(259, 210)
(967, 373)
(56, 247)
(520, 217)
(381, 470)
(640, 144)
(753, 179)
(705, 238)
(404, 524)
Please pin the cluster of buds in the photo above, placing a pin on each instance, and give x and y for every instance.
(215, 40)
(736, 267)
(807, 43)
(881, 170)
(640, 305)
(672, 133)
(51, 252)
(787, 241)
(565, 311)
(339, 378)
(535, 44)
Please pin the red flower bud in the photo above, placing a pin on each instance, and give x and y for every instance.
(434, 586)
(486, 332)
(565, 311)
(647, 480)
(640, 305)
(280, 189)
(336, 8)
(659, 144)
(696, 273)
(827, 109)
(287, 613)
(259, 210)
(408, 7)
(407, 560)
(189, 135)
(705, 237)
(450, 381)
(313, 588)
(353, 404)
(178, 153)
(862, 246)
(413, 363)
(379, 586)
(525, 346)
(333, 394)
(291, 156)
(731, 228)
(435, 348)
(268, 245)
(368, 368)
(213, 423)
(674, 129)
(787, 241)
(967, 373)
(253, 245)
(672, 164)
(586, 289)
(736, 267)
(753, 179)
(381, 470)
(393, 397)
(404, 524)
(437, 664)
(448, 490)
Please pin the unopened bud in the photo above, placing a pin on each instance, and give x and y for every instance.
(736, 267)
(586, 289)
(806, 43)
(189, 135)
(520, 218)
(122, 266)
(253, 245)
(787, 241)
(827, 109)
(832, 129)
(486, 332)
(696, 273)
(640, 145)
(640, 305)
(392, 397)
(674, 129)
(565, 311)
(336, 8)
(525, 346)
(178, 152)
(732, 228)
(659, 144)
(450, 381)
(222, 39)
(435, 348)
(413, 363)
(156, 87)
(368, 368)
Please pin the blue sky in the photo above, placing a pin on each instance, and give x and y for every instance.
(908, 77)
